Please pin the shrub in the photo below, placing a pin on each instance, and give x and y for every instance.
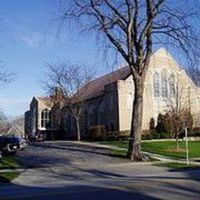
(160, 124)
(152, 125)
(96, 132)
(195, 134)
(147, 137)
(165, 135)
(156, 135)
(99, 133)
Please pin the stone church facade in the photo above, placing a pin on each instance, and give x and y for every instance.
(108, 100)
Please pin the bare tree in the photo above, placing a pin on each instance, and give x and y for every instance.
(178, 109)
(5, 76)
(132, 28)
(69, 80)
(5, 125)
(17, 125)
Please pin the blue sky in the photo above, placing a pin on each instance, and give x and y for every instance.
(28, 39)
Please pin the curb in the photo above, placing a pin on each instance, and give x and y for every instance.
(153, 155)
(11, 170)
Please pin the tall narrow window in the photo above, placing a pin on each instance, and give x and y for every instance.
(164, 84)
(46, 119)
(172, 85)
(156, 85)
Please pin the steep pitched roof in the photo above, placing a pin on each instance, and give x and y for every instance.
(96, 87)
(45, 100)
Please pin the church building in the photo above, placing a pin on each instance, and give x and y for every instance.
(109, 101)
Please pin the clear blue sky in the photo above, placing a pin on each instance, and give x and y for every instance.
(28, 40)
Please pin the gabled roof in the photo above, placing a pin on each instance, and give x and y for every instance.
(96, 87)
(45, 100)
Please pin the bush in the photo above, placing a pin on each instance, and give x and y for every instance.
(152, 125)
(96, 132)
(194, 134)
(118, 136)
(165, 135)
(99, 133)
(156, 135)
(147, 137)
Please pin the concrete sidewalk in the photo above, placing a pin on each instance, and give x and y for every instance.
(12, 170)
(152, 155)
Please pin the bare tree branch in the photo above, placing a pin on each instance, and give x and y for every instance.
(68, 81)
(133, 28)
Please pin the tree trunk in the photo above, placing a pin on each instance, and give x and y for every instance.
(177, 143)
(78, 129)
(134, 150)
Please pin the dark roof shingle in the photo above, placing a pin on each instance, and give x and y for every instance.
(96, 87)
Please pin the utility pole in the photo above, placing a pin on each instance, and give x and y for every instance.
(186, 130)
(186, 145)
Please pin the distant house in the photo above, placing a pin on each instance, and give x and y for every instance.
(109, 99)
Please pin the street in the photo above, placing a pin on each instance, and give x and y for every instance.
(69, 170)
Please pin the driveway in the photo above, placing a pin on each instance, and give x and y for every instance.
(69, 170)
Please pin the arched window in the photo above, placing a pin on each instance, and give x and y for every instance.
(172, 85)
(156, 85)
(164, 82)
(46, 119)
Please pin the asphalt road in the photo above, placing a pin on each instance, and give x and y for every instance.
(64, 170)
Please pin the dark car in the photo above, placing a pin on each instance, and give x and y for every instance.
(21, 143)
(8, 144)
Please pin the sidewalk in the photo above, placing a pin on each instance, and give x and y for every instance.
(11, 170)
(152, 155)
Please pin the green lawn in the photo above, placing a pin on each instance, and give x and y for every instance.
(121, 144)
(9, 162)
(7, 177)
(166, 148)
(175, 165)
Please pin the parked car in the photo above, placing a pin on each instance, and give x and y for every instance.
(8, 145)
(21, 143)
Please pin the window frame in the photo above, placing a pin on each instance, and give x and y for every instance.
(46, 118)
(156, 84)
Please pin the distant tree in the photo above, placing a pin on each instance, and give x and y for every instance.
(5, 126)
(70, 79)
(17, 125)
(132, 28)
(152, 125)
(5, 76)
(178, 110)
(160, 127)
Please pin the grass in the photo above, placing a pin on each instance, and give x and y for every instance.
(165, 148)
(123, 154)
(119, 153)
(7, 177)
(9, 162)
(120, 144)
(174, 165)
(168, 148)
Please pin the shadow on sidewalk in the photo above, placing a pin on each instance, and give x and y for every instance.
(83, 192)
